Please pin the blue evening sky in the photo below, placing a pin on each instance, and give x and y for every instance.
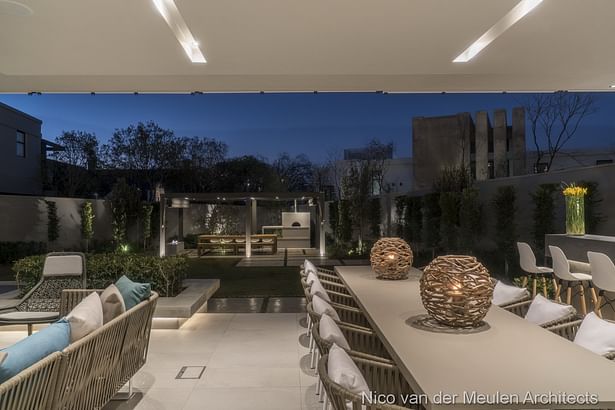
(268, 124)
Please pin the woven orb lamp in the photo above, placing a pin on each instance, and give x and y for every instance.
(391, 258)
(456, 291)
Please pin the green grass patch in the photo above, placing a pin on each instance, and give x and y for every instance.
(247, 281)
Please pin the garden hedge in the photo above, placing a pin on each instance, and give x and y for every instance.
(165, 274)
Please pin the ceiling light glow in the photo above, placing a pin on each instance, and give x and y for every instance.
(170, 13)
(506, 22)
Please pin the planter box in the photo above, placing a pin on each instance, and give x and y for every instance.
(172, 312)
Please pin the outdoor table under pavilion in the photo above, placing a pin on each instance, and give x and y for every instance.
(179, 201)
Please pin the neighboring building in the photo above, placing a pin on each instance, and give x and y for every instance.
(20, 152)
(489, 151)
(398, 179)
(571, 158)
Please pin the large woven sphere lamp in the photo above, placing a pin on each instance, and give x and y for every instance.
(391, 258)
(456, 291)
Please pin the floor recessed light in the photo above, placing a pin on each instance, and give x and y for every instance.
(170, 13)
(506, 22)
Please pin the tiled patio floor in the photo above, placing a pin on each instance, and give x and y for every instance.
(253, 361)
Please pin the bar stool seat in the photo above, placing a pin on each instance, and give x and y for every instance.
(581, 276)
(603, 274)
(527, 261)
(562, 271)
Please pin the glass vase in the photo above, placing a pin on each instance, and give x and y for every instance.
(575, 215)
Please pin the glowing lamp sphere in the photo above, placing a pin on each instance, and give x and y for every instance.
(456, 291)
(391, 258)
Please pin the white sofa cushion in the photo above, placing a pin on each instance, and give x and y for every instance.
(504, 294)
(309, 267)
(317, 289)
(112, 303)
(542, 310)
(331, 332)
(86, 317)
(321, 307)
(596, 334)
(343, 371)
(311, 278)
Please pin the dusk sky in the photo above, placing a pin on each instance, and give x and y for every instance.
(268, 124)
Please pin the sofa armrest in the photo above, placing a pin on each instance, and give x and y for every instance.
(72, 297)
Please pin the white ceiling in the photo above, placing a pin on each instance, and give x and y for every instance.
(306, 45)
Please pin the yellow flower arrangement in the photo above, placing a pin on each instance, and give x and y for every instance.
(574, 190)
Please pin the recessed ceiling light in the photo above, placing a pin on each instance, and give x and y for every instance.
(506, 22)
(169, 11)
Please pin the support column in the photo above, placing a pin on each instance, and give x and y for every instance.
(519, 166)
(248, 228)
(162, 240)
(180, 224)
(482, 146)
(254, 216)
(500, 135)
(321, 225)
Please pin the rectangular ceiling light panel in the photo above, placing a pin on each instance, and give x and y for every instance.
(169, 11)
(506, 22)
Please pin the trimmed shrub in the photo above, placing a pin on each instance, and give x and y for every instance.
(470, 219)
(449, 220)
(431, 220)
(165, 274)
(505, 209)
(13, 251)
(544, 214)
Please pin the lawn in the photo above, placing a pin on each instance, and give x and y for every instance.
(247, 281)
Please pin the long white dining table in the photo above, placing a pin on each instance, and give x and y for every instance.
(512, 364)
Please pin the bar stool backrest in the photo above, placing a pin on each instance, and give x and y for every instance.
(527, 259)
(603, 271)
(561, 266)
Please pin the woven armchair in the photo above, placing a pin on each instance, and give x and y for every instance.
(33, 387)
(349, 316)
(520, 309)
(513, 302)
(98, 365)
(363, 342)
(337, 293)
(569, 331)
(323, 274)
(382, 377)
(61, 270)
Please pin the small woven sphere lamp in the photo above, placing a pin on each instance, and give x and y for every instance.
(456, 291)
(391, 258)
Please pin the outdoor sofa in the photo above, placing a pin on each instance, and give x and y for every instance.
(90, 371)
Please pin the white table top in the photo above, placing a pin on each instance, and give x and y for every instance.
(513, 357)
